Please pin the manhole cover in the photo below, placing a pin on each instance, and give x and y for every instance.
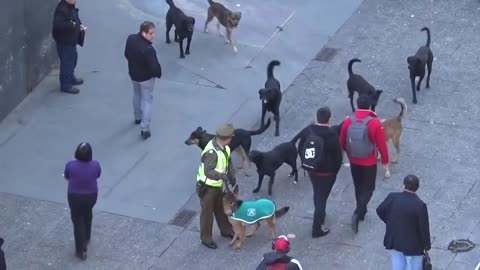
(326, 54)
(183, 218)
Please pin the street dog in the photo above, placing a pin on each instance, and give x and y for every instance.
(271, 96)
(229, 19)
(356, 83)
(416, 65)
(393, 130)
(268, 163)
(241, 142)
(183, 27)
(243, 213)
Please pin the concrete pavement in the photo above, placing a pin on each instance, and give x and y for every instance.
(438, 144)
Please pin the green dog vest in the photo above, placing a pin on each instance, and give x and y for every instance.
(253, 211)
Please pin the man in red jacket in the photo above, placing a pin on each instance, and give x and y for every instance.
(360, 137)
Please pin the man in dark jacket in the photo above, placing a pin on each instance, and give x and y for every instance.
(3, 264)
(278, 258)
(407, 226)
(68, 31)
(323, 176)
(143, 68)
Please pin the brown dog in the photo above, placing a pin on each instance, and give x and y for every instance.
(393, 130)
(229, 19)
(243, 213)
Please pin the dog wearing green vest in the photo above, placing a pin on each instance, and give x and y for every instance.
(243, 213)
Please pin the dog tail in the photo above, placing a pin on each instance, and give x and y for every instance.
(282, 211)
(350, 64)
(260, 130)
(170, 3)
(210, 2)
(428, 36)
(403, 105)
(270, 68)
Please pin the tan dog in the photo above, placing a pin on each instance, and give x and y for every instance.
(229, 19)
(243, 213)
(393, 130)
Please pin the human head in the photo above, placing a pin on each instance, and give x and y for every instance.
(323, 115)
(411, 183)
(363, 102)
(83, 152)
(71, 2)
(281, 244)
(147, 29)
(224, 134)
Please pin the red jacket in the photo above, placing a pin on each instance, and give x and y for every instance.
(376, 135)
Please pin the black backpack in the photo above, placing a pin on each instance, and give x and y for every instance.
(312, 152)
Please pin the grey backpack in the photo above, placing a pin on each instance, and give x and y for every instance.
(358, 142)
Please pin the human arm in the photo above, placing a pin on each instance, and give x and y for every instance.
(336, 153)
(66, 171)
(152, 62)
(382, 209)
(294, 264)
(379, 137)
(343, 133)
(424, 225)
(209, 160)
(61, 21)
(301, 136)
(99, 169)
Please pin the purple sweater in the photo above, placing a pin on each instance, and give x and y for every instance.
(82, 176)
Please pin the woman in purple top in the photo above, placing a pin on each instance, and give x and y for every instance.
(82, 174)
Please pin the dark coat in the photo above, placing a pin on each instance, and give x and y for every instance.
(3, 264)
(64, 30)
(142, 59)
(407, 225)
(276, 257)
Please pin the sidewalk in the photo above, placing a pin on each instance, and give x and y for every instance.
(439, 143)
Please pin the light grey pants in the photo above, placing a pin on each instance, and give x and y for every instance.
(142, 102)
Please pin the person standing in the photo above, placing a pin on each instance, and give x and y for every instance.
(143, 68)
(68, 31)
(321, 156)
(82, 175)
(360, 136)
(407, 233)
(278, 258)
(215, 169)
(3, 263)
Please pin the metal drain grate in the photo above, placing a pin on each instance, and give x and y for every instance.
(326, 54)
(183, 218)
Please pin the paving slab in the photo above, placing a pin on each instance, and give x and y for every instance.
(439, 142)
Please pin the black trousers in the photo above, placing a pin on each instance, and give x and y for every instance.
(81, 206)
(322, 186)
(364, 178)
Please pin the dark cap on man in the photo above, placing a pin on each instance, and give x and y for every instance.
(411, 182)
(225, 131)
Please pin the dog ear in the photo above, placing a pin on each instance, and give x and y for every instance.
(199, 129)
(193, 20)
(411, 59)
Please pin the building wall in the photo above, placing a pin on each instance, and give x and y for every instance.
(27, 50)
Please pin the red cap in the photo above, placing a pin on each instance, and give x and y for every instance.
(281, 244)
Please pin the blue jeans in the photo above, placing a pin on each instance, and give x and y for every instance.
(142, 102)
(402, 262)
(68, 61)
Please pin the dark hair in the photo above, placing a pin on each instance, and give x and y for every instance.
(411, 182)
(146, 26)
(83, 152)
(363, 102)
(323, 115)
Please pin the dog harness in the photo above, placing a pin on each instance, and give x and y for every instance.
(253, 211)
(222, 165)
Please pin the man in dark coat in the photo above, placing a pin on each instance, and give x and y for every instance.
(407, 226)
(278, 258)
(3, 264)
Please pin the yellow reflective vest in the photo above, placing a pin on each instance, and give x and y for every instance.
(222, 165)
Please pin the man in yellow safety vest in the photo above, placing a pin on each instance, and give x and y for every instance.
(215, 169)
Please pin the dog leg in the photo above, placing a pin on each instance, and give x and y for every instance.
(396, 143)
(235, 237)
(180, 44)
(420, 81)
(387, 171)
(351, 104)
(176, 37)
(189, 40)
(276, 117)
(271, 225)
(260, 180)
(167, 34)
(241, 238)
(209, 19)
(412, 81)
(264, 112)
(220, 30)
(294, 173)
(429, 66)
(255, 229)
(229, 38)
(270, 184)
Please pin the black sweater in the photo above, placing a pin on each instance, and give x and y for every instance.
(142, 59)
(66, 24)
(332, 146)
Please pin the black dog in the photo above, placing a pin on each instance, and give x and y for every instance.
(357, 83)
(416, 65)
(268, 162)
(241, 137)
(183, 27)
(271, 96)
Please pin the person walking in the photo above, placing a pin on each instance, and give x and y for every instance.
(68, 32)
(3, 263)
(278, 258)
(214, 171)
(407, 233)
(143, 68)
(82, 175)
(321, 156)
(360, 136)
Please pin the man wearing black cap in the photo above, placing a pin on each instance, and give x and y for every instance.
(407, 226)
(215, 169)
